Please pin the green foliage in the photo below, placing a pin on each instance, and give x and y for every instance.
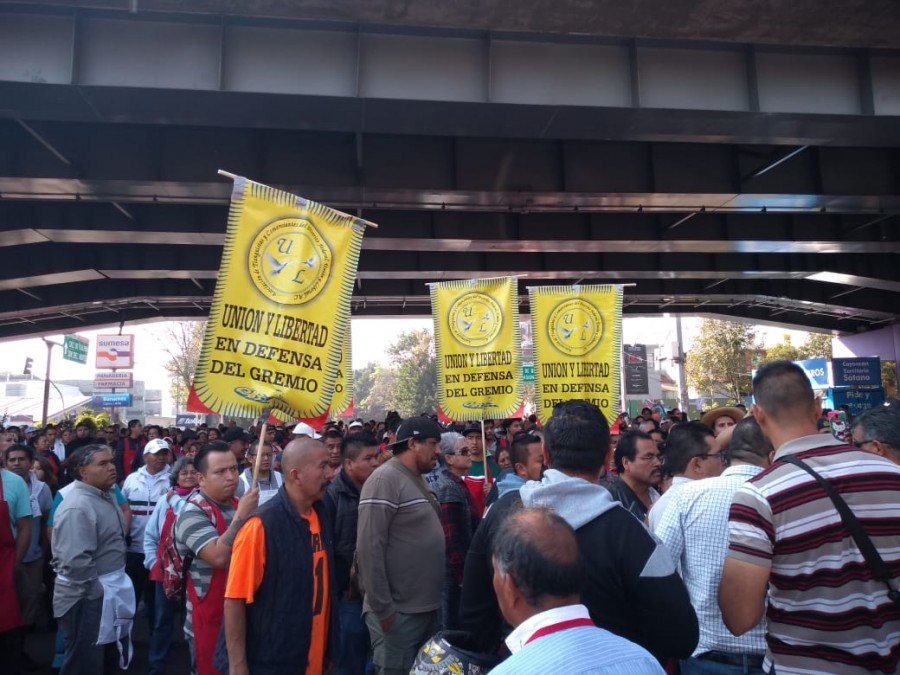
(372, 387)
(718, 362)
(889, 378)
(817, 345)
(183, 343)
(415, 388)
(98, 419)
(783, 350)
(408, 384)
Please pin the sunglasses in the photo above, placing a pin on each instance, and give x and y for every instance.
(463, 453)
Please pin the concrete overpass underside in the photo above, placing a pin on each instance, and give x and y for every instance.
(724, 162)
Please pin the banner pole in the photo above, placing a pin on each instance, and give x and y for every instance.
(367, 223)
(260, 445)
(487, 467)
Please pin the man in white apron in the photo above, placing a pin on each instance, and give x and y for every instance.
(93, 598)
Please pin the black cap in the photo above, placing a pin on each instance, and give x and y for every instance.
(419, 428)
(236, 434)
(472, 428)
(188, 436)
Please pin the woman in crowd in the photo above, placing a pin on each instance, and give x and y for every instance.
(184, 482)
(459, 518)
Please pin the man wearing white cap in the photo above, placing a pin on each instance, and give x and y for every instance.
(303, 430)
(143, 489)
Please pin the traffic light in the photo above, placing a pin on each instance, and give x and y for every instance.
(28, 362)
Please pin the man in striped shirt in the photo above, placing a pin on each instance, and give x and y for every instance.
(826, 613)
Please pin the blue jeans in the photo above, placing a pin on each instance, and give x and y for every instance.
(355, 657)
(80, 627)
(163, 628)
(702, 667)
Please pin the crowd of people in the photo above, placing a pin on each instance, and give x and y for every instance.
(660, 544)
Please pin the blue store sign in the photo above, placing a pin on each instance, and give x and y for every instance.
(857, 372)
(817, 372)
(111, 401)
(858, 400)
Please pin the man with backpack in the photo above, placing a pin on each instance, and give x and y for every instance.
(205, 529)
(165, 565)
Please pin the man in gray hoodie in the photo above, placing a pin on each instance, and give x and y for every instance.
(632, 588)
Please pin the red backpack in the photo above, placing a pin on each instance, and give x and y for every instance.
(171, 569)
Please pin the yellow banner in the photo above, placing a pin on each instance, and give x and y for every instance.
(476, 337)
(343, 386)
(577, 334)
(281, 307)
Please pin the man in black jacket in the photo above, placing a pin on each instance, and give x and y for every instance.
(632, 588)
(359, 458)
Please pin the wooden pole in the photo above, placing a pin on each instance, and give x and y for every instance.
(260, 446)
(367, 223)
(487, 467)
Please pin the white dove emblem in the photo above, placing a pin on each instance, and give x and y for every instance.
(276, 266)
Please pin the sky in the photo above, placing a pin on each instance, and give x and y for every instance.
(371, 338)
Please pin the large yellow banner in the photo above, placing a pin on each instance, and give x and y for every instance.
(281, 307)
(577, 333)
(343, 385)
(476, 335)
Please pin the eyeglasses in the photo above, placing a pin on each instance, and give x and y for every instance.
(650, 458)
(718, 455)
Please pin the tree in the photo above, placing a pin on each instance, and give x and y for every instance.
(415, 388)
(817, 345)
(718, 359)
(373, 387)
(783, 350)
(889, 378)
(97, 419)
(183, 343)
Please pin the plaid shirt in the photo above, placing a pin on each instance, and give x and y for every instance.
(694, 528)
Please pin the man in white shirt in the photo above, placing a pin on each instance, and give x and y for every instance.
(694, 528)
(538, 575)
(691, 454)
(143, 489)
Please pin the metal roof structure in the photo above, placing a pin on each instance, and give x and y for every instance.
(726, 158)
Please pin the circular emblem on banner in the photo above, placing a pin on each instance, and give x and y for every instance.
(289, 261)
(475, 319)
(575, 327)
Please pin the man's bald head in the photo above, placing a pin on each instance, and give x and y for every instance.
(306, 471)
(299, 453)
(539, 551)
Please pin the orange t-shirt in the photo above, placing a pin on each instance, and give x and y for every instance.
(245, 574)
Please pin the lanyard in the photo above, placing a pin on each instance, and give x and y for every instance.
(556, 627)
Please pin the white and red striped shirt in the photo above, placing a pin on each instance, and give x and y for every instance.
(825, 611)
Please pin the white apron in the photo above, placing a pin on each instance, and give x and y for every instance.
(117, 617)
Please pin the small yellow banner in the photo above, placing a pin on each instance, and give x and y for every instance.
(343, 386)
(281, 307)
(476, 336)
(577, 346)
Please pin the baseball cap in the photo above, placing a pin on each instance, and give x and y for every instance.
(303, 429)
(236, 434)
(356, 424)
(156, 445)
(472, 428)
(418, 428)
